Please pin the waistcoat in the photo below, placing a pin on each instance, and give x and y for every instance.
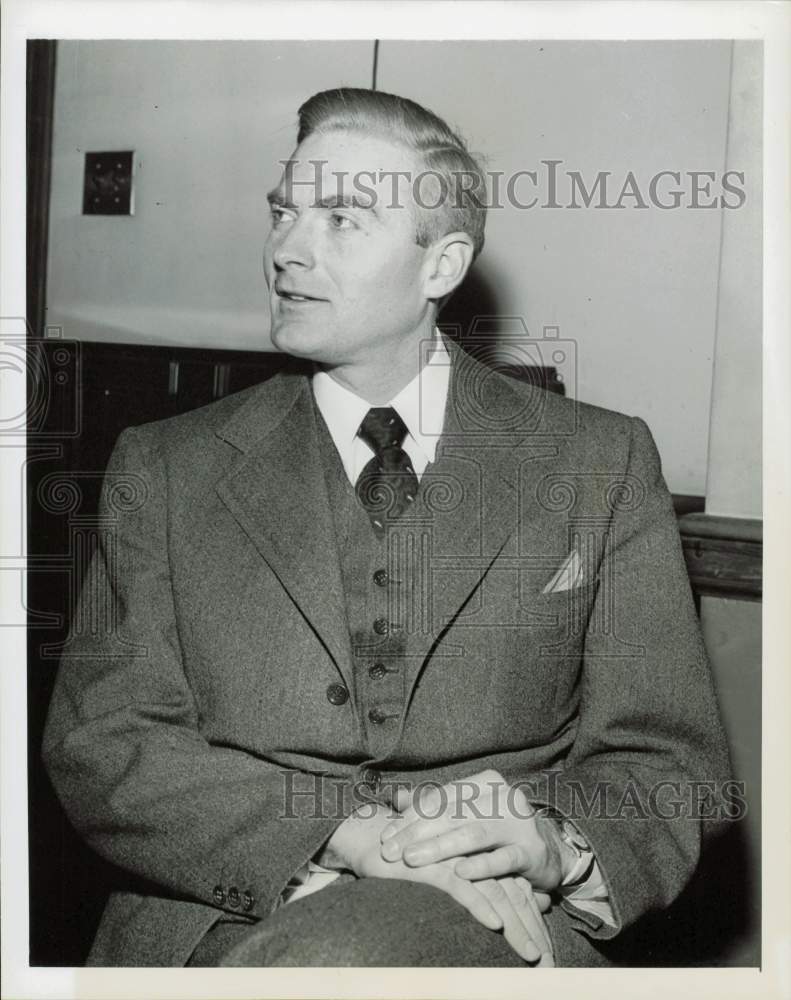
(381, 585)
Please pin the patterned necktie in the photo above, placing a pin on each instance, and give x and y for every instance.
(388, 484)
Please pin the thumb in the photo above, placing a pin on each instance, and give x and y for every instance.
(403, 798)
(543, 899)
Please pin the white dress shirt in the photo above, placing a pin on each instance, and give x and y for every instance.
(421, 405)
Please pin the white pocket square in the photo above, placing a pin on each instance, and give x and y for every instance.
(568, 577)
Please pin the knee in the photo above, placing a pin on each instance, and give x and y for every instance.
(371, 922)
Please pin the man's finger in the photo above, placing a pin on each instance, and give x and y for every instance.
(520, 895)
(432, 801)
(417, 851)
(472, 899)
(540, 932)
(403, 798)
(517, 930)
(507, 860)
(429, 799)
(411, 833)
(426, 804)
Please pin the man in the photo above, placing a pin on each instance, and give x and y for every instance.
(406, 668)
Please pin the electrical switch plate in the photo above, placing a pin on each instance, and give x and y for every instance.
(108, 184)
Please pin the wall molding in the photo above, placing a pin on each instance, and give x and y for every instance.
(724, 555)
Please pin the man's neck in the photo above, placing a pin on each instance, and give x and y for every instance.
(381, 379)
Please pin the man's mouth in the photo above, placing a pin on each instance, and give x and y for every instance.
(289, 296)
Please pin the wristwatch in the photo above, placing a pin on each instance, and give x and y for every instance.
(578, 845)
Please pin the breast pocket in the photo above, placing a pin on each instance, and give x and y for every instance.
(558, 624)
(559, 619)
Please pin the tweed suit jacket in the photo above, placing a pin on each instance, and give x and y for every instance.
(191, 740)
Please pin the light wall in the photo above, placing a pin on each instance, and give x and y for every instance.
(635, 290)
(207, 122)
(732, 629)
(733, 486)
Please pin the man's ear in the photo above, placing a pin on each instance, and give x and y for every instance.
(447, 261)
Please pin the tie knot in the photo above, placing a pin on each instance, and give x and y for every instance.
(382, 428)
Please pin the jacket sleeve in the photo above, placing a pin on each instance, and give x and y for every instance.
(122, 742)
(647, 775)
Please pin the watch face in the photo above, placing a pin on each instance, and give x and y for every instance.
(572, 836)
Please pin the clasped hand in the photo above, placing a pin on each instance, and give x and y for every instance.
(484, 823)
(464, 840)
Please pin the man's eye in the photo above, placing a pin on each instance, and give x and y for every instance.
(278, 215)
(338, 221)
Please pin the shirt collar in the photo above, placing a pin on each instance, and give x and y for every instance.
(420, 404)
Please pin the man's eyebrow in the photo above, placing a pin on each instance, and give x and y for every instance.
(277, 198)
(367, 204)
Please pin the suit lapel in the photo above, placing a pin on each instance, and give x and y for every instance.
(470, 496)
(277, 493)
(467, 517)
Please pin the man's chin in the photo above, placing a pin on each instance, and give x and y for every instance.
(299, 339)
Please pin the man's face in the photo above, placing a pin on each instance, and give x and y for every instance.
(345, 281)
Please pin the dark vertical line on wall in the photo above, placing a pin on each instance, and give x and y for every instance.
(40, 103)
(725, 152)
(376, 64)
(44, 880)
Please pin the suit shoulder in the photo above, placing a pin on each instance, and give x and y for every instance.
(587, 435)
(549, 412)
(203, 422)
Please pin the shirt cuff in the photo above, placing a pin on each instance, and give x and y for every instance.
(310, 878)
(590, 894)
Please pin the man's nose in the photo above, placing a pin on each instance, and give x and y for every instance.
(294, 246)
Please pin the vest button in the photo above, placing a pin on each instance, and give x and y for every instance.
(377, 716)
(337, 694)
(381, 626)
(377, 671)
(381, 579)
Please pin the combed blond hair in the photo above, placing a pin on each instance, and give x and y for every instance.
(463, 204)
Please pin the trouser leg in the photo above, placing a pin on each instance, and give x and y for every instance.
(370, 922)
